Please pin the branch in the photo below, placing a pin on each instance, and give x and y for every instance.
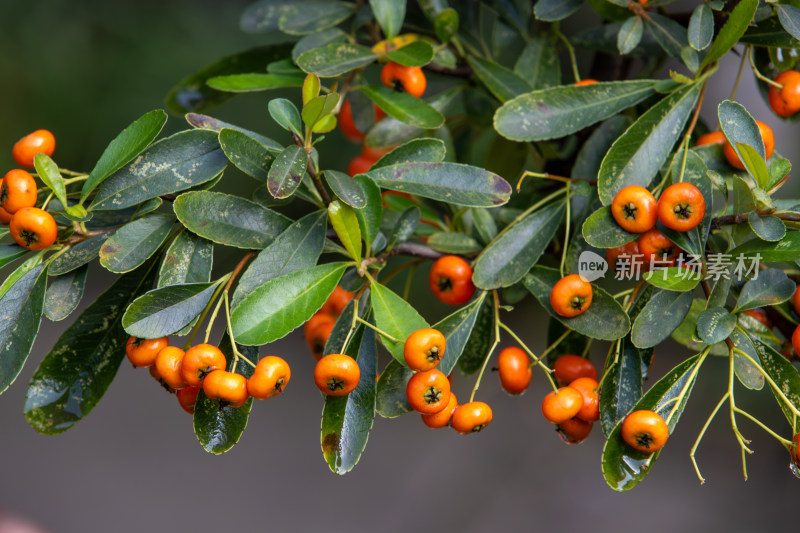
(741, 218)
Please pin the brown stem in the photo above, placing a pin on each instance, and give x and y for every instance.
(699, 106)
(238, 268)
(741, 218)
(313, 171)
(461, 71)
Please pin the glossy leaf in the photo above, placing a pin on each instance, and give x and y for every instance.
(715, 325)
(671, 36)
(404, 107)
(457, 329)
(204, 122)
(454, 183)
(21, 309)
(503, 83)
(48, 172)
(135, 242)
(248, 154)
(287, 116)
(187, 260)
(75, 374)
(480, 340)
(335, 59)
(219, 429)
(769, 33)
(391, 400)
(729, 34)
(345, 223)
(517, 248)
(404, 226)
(390, 15)
(421, 150)
(558, 111)
(622, 386)
(317, 40)
(78, 255)
(602, 231)
(538, 64)
(229, 220)
(786, 249)
(415, 54)
(677, 279)
(396, 317)
(771, 287)
(624, 467)
(749, 375)
(701, 27)
(784, 375)
(12, 252)
(296, 248)
(636, 157)
(177, 163)
(661, 315)
(64, 294)
(284, 303)
(767, 228)
(370, 215)
(346, 188)
(630, 34)
(604, 319)
(453, 243)
(287, 171)
(552, 10)
(253, 81)
(166, 310)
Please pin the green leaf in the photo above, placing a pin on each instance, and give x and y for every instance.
(204, 122)
(450, 242)
(297, 248)
(729, 34)
(590, 156)
(345, 223)
(193, 94)
(754, 164)
(177, 163)
(769, 33)
(75, 374)
(415, 54)
(391, 391)
(677, 279)
(229, 220)
(287, 171)
(604, 319)
(302, 18)
(390, 15)
(370, 215)
(404, 226)
(630, 34)
(284, 303)
(346, 188)
(670, 35)
(786, 249)
(517, 248)
(318, 107)
(771, 287)
(503, 83)
(477, 349)
(420, 150)
(624, 467)
(396, 317)
(778, 171)
(404, 107)
(219, 429)
(602, 231)
(166, 310)
(347, 420)
(767, 228)
(715, 325)
(317, 40)
(552, 10)
(749, 375)
(446, 24)
(47, 170)
(21, 308)
(457, 329)
(78, 255)
(335, 59)
(12, 252)
(622, 386)
(660, 317)
(559, 111)
(125, 146)
(447, 182)
(286, 115)
(135, 242)
(538, 64)
(187, 260)
(701, 27)
(739, 127)
(248, 154)
(636, 157)
(64, 294)
(784, 375)
(253, 81)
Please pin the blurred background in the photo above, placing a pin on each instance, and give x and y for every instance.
(87, 69)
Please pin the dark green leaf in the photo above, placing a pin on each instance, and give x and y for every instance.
(480, 340)
(622, 386)
(253, 81)
(677, 279)
(636, 157)
(369, 216)
(204, 122)
(135, 242)
(420, 150)
(335, 59)
(457, 329)
(660, 316)
(64, 294)
(317, 40)
(538, 64)
(715, 325)
(500, 81)
(624, 467)
(346, 188)
(771, 287)
(286, 115)
(12, 252)
(187, 260)
(166, 310)
(78, 255)
(453, 243)
(177, 163)
(734, 28)
(770, 33)
(767, 228)
(73, 377)
(786, 249)
(248, 154)
(287, 171)
(229, 220)
(669, 34)
(739, 127)
(784, 375)
(302, 18)
(404, 226)
(404, 107)
(415, 54)
(749, 375)
(447, 182)
(604, 319)
(21, 309)
(396, 317)
(630, 34)
(602, 231)
(701, 27)
(391, 393)
(558, 111)
(552, 10)
(284, 303)
(517, 248)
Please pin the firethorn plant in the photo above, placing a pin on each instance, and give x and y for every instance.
(442, 109)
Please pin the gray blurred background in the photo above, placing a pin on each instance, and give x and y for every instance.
(85, 70)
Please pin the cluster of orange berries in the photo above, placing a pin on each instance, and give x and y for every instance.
(203, 366)
(717, 137)
(31, 227)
